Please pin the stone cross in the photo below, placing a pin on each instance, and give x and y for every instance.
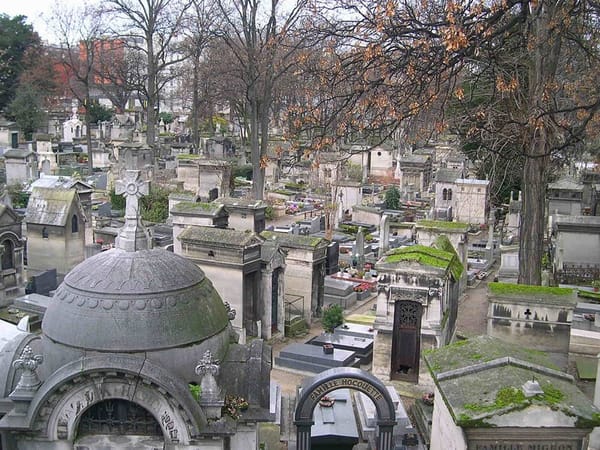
(29, 363)
(133, 188)
(132, 236)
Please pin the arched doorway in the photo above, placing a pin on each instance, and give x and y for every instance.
(118, 423)
(313, 389)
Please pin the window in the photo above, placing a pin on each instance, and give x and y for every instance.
(45, 233)
(74, 224)
(449, 194)
(445, 194)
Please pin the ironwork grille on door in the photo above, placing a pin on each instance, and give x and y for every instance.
(118, 417)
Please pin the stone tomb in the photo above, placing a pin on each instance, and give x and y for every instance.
(339, 292)
(362, 347)
(310, 358)
(356, 330)
(334, 421)
(367, 415)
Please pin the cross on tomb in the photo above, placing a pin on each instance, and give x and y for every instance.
(528, 313)
(133, 236)
(132, 188)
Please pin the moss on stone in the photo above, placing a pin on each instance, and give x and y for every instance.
(443, 224)
(428, 256)
(525, 289)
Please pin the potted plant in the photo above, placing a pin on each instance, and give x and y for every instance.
(596, 285)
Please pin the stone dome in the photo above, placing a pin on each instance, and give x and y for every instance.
(134, 301)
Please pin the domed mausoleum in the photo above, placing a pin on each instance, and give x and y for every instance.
(136, 351)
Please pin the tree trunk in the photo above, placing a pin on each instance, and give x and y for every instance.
(257, 172)
(88, 131)
(531, 236)
(151, 107)
(539, 135)
(195, 107)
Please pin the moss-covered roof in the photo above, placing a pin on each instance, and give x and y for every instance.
(532, 293)
(481, 382)
(294, 240)
(444, 225)
(241, 202)
(218, 237)
(198, 208)
(427, 256)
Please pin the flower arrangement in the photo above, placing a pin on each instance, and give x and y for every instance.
(326, 401)
(362, 287)
(234, 405)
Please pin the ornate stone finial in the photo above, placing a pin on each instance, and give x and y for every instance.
(211, 397)
(230, 311)
(207, 365)
(28, 362)
(133, 235)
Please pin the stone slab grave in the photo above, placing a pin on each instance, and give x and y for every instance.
(367, 415)
(335, 423)
(362, 347)
(310, 358)
(355, 330)
(339, 292)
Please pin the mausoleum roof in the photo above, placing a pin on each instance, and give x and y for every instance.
(49, 206)
(134, 301)
(482, 381)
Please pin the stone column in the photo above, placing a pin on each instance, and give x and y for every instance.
(267, 288)
(386, 436)
(303, 436)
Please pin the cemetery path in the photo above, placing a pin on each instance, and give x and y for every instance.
(472, 310)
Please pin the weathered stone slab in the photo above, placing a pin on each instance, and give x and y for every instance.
(356, 330)
(345, 301)
(310, 358)
(338, 287)
(363, 347)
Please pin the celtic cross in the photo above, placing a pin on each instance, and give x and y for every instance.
(132, 236)
(133, 188)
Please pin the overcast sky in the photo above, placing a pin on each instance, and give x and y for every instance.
(35, 10)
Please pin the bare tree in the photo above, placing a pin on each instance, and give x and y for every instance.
(200, 25)
(79, 30)
(392, 61)
(262, 48)
(152, 28)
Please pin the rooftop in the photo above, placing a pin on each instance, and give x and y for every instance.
(219, 236)
(294, 240)
(427, 256)
(481, 381)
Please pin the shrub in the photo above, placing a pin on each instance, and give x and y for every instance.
(333, 316)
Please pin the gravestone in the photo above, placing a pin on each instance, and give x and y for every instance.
(362, 347)
(339, 292)
(335, 424)
(384, 235)
(359, 251)
(310, 358)
(355, 330)
(42, 283)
